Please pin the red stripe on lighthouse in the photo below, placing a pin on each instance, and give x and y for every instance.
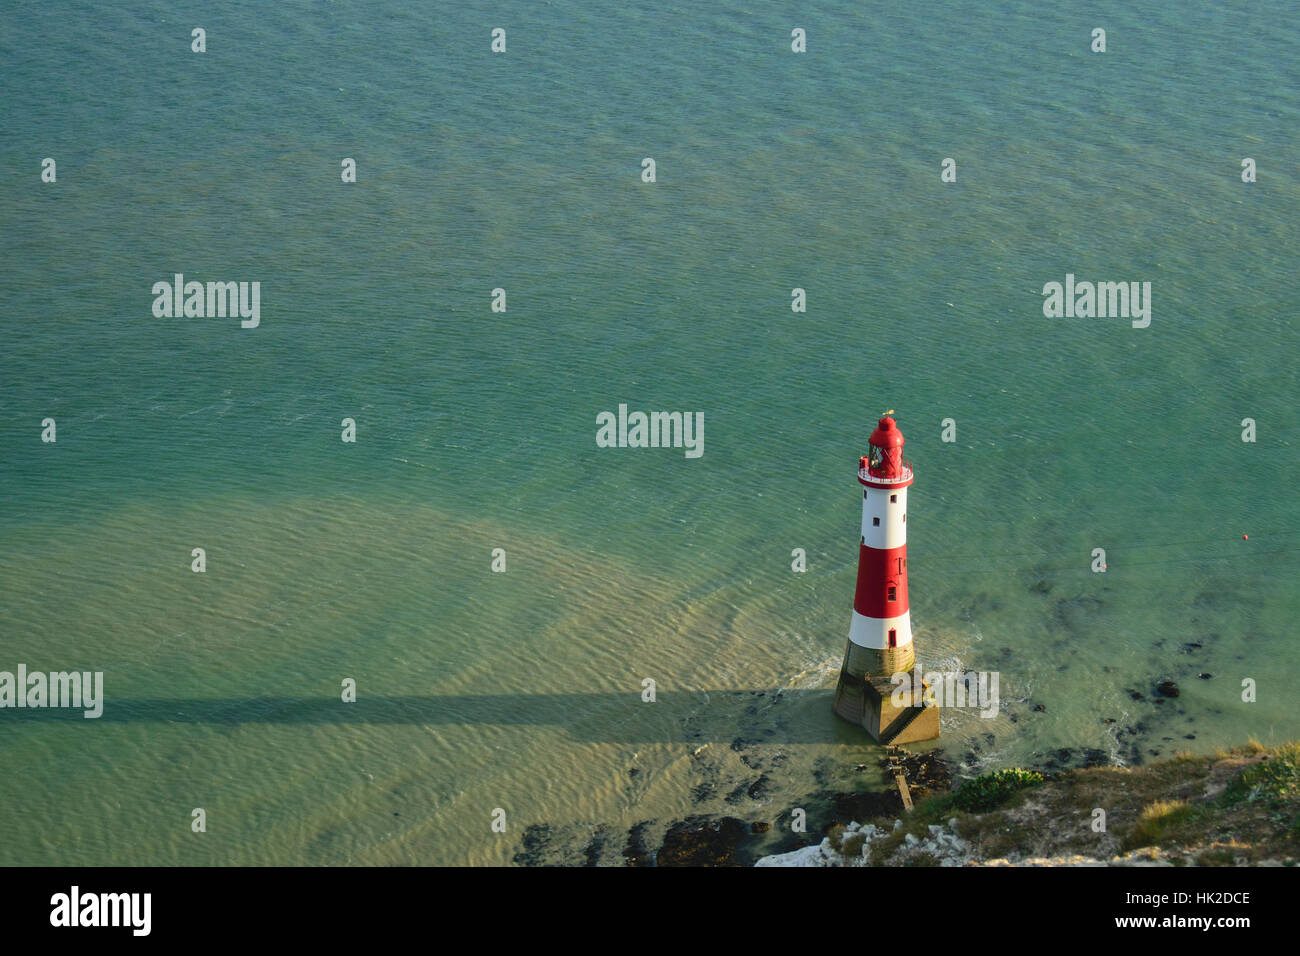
(879, 570)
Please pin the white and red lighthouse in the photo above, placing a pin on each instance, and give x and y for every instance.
(880, 635)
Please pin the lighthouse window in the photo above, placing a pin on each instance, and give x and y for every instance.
(893, 637)
(875, 521)
(893, 499)
(904, 515)
(893, 593)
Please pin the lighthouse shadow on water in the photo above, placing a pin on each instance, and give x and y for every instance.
(768, 715)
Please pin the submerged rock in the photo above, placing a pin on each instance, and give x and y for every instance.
(738, 793)
(636, 853)
(698, 841)
(595, 847)
(704, 791)
(1093, 757)
(536, 838)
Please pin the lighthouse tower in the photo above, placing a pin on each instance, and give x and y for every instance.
(880, 636)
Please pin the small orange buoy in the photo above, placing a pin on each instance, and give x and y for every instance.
(1245, 537)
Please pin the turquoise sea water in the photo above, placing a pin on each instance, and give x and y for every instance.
(372, 560)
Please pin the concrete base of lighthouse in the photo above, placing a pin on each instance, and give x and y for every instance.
(864, 695)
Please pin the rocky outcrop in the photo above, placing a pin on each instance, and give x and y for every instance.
(852, 846)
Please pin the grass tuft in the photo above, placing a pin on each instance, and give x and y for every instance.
(1156, 821)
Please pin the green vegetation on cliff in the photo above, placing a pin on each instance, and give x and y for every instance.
(1235, 807)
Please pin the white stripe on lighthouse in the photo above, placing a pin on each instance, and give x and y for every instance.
(891, 533)
(873, 632)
